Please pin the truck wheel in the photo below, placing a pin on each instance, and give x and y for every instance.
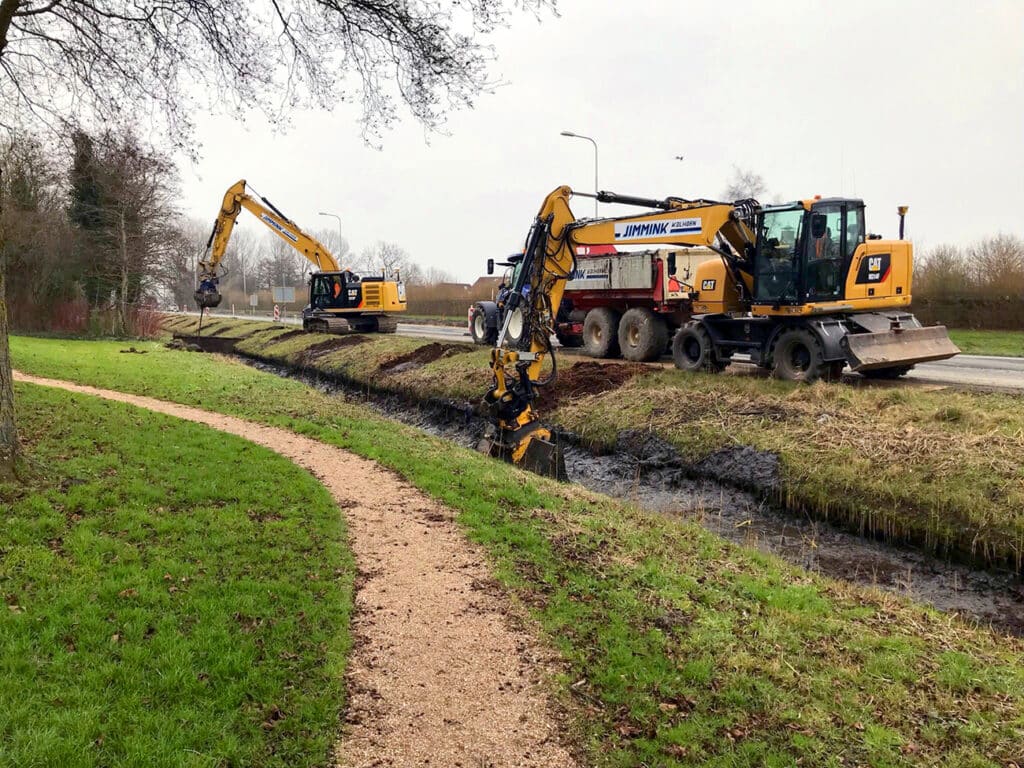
(887, 373)
(797, 356)
(601, 332)
(515, 334)
(478, 328)
(693, 350)
(642, 335)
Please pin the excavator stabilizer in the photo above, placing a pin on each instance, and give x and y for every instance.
(898, 347)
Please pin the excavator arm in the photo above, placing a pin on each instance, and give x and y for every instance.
(515, 433)
(235, 199)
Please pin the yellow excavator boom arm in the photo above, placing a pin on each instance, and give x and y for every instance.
(237, 198)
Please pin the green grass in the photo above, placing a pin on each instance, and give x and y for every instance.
(160, 609)
(935, 466)
(680, 649)
(1003, 343)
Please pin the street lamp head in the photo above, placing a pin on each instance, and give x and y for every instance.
(569, 133)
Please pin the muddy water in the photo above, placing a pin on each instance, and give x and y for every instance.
(649, 473)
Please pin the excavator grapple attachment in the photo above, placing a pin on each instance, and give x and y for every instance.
(898, 347)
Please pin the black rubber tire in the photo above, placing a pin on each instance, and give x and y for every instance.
(887, 373)
(601, 332)
(643, 335)
(478, 328)
(797, 355)
(516, 337)
(569, 340)
(693, 350)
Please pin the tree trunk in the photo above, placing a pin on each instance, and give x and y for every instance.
(8, 433)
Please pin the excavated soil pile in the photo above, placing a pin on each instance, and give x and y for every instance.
(314, 352)
(587, 378)
(285, 335)
(422, 356)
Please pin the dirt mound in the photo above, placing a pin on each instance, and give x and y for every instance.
(285, 335)
(314, 352)
(587, 378)
(422, 356)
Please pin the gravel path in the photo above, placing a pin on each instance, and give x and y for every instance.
(438, 675)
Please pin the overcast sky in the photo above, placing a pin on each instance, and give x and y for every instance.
(917, 103)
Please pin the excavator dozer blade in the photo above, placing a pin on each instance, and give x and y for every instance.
(896, 348)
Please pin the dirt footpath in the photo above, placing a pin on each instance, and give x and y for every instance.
(437, 675)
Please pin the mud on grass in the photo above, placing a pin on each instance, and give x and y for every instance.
(160, 600)
(682, 649)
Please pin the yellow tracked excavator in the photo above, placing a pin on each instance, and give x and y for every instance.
(801, 289)
(340, 301)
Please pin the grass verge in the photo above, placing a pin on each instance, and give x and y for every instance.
(681, 649)
(160, 608)
(1002, 343)
(930, 465)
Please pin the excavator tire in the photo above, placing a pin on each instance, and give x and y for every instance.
(693, 350)
(797, 355)
(601, 332)
(643, 335)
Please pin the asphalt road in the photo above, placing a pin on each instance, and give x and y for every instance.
(973, 371)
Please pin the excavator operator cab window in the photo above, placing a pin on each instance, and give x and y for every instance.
(776, 268)
(823, 270)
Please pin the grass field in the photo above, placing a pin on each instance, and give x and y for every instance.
(1003, 343)
(936, 466)
(680, 648)
(159, 608)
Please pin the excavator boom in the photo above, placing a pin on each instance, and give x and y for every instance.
(235, 199)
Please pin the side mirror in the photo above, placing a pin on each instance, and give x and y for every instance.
(671, 263)
(490, 266)
(818, 225)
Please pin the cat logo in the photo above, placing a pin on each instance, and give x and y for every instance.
(708, 285)
(875, 264)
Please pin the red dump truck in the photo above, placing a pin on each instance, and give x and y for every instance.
(615, 302)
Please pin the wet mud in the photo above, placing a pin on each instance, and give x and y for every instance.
(728, 493)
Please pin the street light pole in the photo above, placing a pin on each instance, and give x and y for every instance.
(572, 135)
(335, 216)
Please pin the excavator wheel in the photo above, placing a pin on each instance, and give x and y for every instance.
(693, 350)
(387, 325)
(797, 355)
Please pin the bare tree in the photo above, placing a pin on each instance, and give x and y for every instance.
(388, 258)
(63, 62)
(745, 184)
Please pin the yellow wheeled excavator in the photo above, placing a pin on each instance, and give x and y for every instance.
(340, 301)
(800, 288)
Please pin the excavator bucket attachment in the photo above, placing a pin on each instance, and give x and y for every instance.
(207, 299)
(898, 347)
(536, 451)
